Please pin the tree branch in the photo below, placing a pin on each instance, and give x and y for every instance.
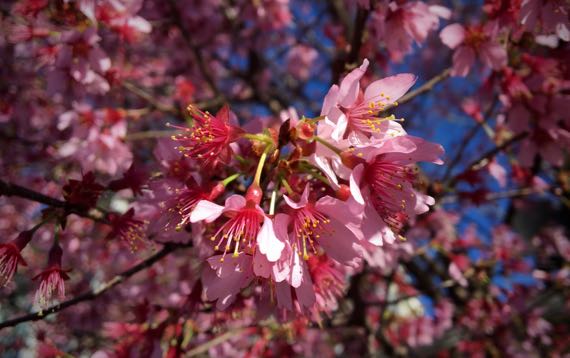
(94, 293)
(426, 87)
(9, 189)
(486, 156)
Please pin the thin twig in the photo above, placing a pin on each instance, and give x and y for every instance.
(94, 293)
(486, 156)
(467, 139)
(150, 99)
(426, 87)
(204, 347)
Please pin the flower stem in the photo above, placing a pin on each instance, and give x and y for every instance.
(260, 165)
(230, 179)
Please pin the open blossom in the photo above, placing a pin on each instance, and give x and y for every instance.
(472, 41)
(246, 230)
(209, 138)
(299, 61)
(52, 278)
(80, 58)
(127, 228)
(325, 225)
(400, 24)
(179, 206)
(359, 113)
(382, 183)
(11, 257)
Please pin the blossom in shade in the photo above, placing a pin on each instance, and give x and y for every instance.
(10, 256)
(180, 205)
(225, 278)
(209, 138)
(84, 192)
(134, 178)
(127, 228)
(52, 278)
(472, 41)
(546, 17)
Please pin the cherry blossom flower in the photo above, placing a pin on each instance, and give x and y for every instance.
(210, 137)
(381, 183)
(358, 112)
(472, 41)
(546, 17)
(246, 231)
(400, 24)
(52, 278)
(11, 257)
(127, 228)
(324, 225)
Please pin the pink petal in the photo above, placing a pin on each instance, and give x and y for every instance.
(330, 100)
(283, 294)
(463, 59)
(296, 270)
(302, 202)
(267, 241)
(493, 55)
(338, 242)
(305, 292)
(374, 229)
(261, 266)
(389, 89)
(350, 85)
(452, 35)
(235, 202)
(206, 210)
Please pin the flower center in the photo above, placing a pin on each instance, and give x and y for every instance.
(239, 232)
(308, 225)
(365, 117)
(391, 185)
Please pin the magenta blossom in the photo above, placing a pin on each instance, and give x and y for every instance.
(325, 225)
(382, 184)
(11, 257)
(52, 278)
(247, 230)
(474, 41)
(209, 139)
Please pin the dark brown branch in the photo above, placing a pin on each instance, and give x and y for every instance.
(94, 293)
(9, 189)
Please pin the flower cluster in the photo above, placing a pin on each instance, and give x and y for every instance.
(340, 185)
